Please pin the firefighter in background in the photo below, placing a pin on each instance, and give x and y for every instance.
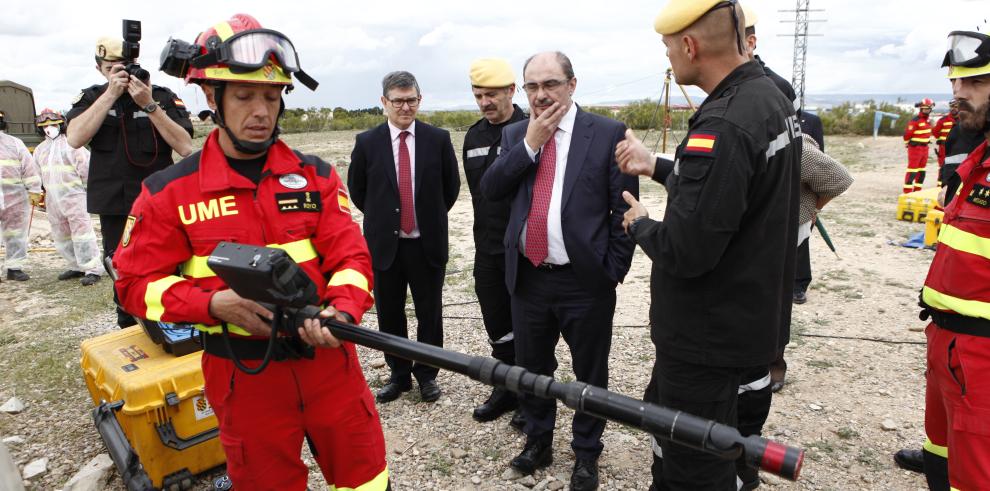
(917, 136)
(941, 132)
(64, 171)
(248, 186)
(956, 294)
(21, 191)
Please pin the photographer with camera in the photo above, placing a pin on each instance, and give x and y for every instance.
(246, 186)
(131, 127)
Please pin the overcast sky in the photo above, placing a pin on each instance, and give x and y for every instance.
(867, 47)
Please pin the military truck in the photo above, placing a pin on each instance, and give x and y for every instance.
(17, 104)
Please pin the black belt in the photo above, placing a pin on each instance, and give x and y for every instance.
(286, 348)
(962, 324)
(544, 266)
(917, 144)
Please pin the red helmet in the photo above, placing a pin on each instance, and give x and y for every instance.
(240, 50)
(48, 117)
(926, 102)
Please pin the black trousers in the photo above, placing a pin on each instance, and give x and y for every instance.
(546, 305)
(410, 269)
(704, 391)
(496, 305)
(802, 267)
(753, 409)
(112, 228)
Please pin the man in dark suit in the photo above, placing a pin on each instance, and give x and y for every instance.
(565, 249)
(403, 176)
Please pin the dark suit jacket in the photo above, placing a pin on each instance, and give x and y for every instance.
(591, 206)
(374, 189)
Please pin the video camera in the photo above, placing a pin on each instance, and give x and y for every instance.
(132, 49)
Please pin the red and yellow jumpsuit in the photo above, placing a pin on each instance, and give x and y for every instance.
(301, 206)
(957, 294)
(917, 136)
(941, 131)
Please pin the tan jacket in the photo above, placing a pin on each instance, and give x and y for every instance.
(821, 177)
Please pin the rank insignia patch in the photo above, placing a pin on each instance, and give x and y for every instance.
(702, 143)
(300, 201)
(979, 196)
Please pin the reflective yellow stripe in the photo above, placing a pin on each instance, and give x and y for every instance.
(963, 241)
(920, 140)
(941, 301)
(935, 449)
(223, 30)
(153, 296)
(349, 277)
(300, 251)
(379, 483)
(9, 162)
(196, 267)
(217, 329)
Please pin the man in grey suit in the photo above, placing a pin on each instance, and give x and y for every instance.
(565, 249)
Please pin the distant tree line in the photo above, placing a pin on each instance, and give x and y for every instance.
(646, 114)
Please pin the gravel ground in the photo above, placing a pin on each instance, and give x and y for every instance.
(849, 403)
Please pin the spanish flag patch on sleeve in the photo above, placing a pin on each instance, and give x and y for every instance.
(701, 143)
(179, 103)
(343, 201)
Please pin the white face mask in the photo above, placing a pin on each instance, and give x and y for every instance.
(51, 131)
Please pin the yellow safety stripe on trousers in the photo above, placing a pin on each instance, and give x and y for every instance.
(935, 449)
(941, 301)
(300, 251)
(379, 483)
(9, 162)
(921, 140)
(153, 296)
(963, 241)
(349, 277)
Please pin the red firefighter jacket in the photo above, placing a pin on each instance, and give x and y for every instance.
(299, 205)
(918, 131)
(959, 278)
(942, 128)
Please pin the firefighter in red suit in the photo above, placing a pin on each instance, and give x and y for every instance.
(941, 132)
(247, 186)
(917, 136)
(957, 294)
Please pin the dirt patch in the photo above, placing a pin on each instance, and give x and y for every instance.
(838, 394)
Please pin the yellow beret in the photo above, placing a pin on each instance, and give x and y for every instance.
(751, 17)
(491, 73)
(677, 15)
(109, 49)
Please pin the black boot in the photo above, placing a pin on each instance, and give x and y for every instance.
(68, 275)
(17, 275)
(499, 402)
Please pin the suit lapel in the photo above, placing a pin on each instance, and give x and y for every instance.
(389, 158)
(421, 144)
(580, 141)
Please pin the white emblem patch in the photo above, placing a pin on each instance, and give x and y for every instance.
(293, 181)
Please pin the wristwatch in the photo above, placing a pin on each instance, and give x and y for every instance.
(151, 107)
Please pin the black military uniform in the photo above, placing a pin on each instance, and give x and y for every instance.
(723, 259)
(124, 151)
(481, 145)
(958, 145)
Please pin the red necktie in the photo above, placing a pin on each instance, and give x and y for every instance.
(536, 222)
(406, 219)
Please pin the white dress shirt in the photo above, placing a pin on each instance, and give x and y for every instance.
(556, 252)
(411, 145)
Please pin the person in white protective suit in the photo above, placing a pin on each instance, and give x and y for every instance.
(63, 172)
(21, 190)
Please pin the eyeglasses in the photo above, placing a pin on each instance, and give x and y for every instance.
(549, 85)
(398, 103)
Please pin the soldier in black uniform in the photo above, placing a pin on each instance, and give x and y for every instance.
(723, 256)
(131, 127)
(493, 85)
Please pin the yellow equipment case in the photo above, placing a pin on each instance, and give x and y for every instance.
(933, 224)
(151, 410)
(915, 206)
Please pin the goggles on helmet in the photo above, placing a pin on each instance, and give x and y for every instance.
(48, 118)
(967, 49)
(249, 50)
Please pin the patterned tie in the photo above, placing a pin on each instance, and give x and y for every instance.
(406, 219)
(536, 222)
